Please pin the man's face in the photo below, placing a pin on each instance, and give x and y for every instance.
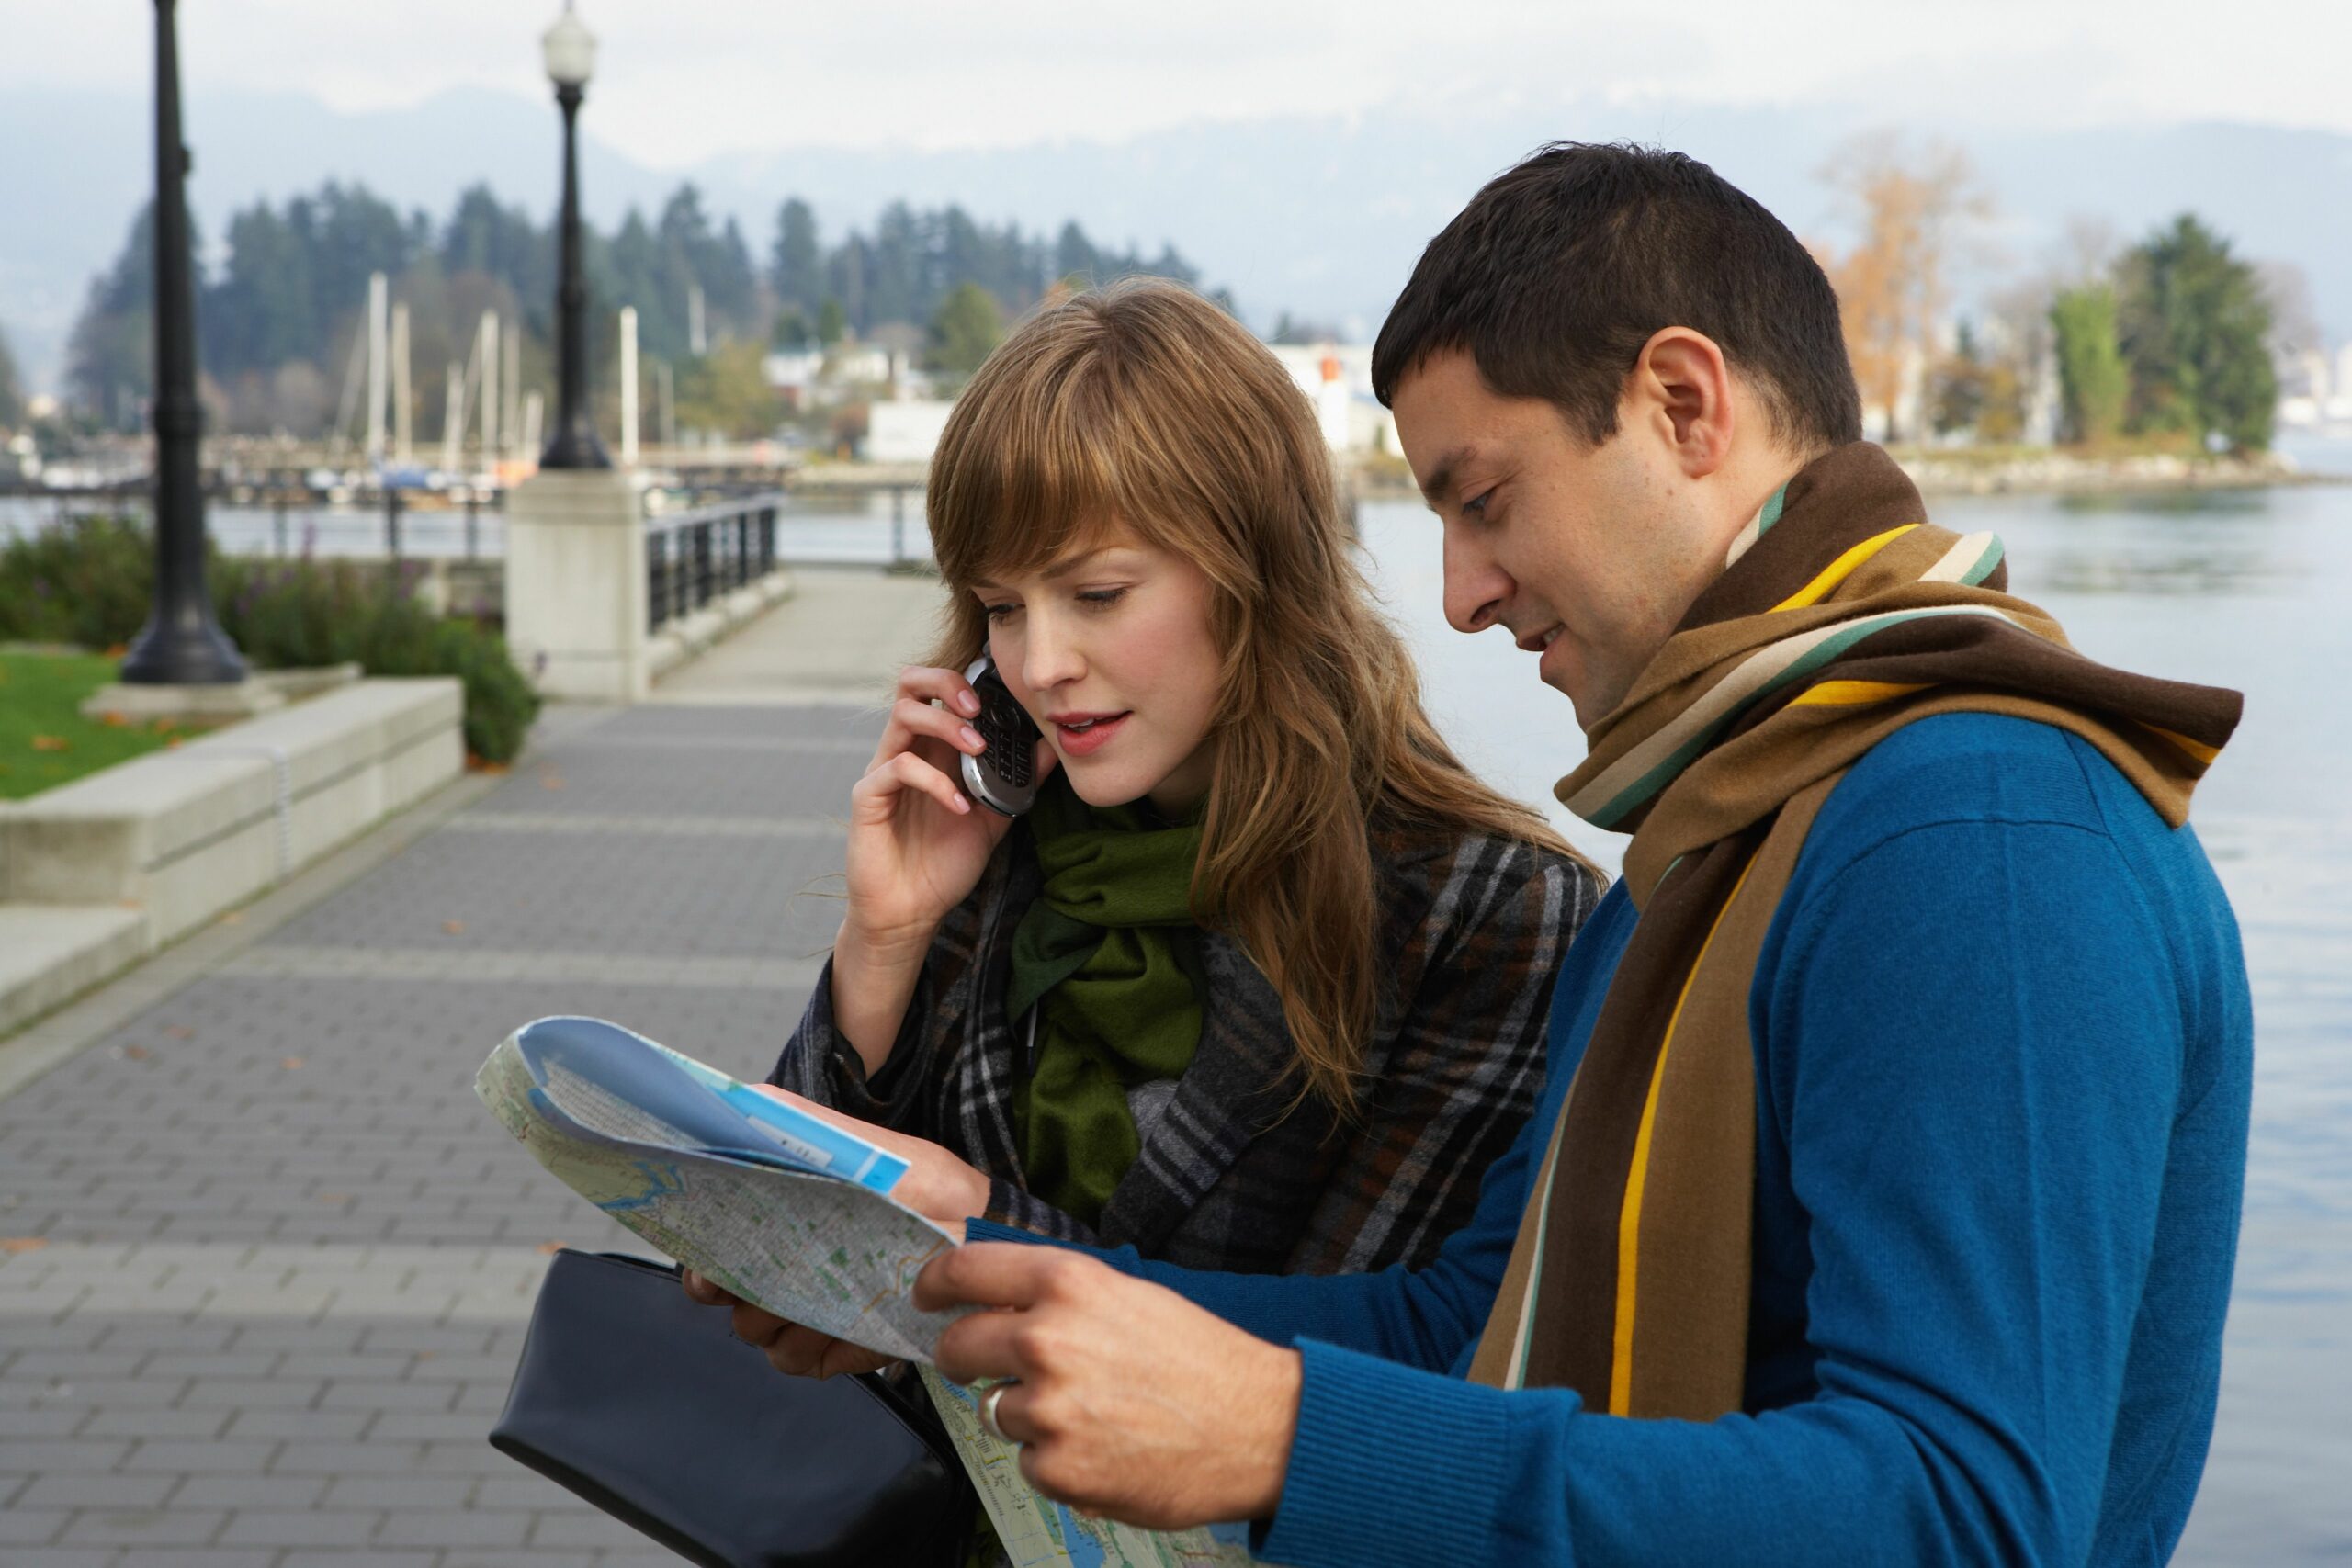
(1589, 555)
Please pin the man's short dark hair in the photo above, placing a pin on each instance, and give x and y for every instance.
(1560, 270)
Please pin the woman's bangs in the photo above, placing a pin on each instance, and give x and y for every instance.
(1033, 477)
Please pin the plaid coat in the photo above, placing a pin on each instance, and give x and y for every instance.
(1472, 933)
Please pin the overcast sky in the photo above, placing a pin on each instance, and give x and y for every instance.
(680, 80)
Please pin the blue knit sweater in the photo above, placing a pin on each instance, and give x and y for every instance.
(2003, 1058)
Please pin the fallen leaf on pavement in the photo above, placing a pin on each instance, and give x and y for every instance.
(135, 1052)
(12, 1245)
(455, 927)
(290, 1063)
(180, 1031)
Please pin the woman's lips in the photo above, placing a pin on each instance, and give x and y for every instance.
(1084, 740)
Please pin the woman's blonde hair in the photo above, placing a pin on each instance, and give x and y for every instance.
(1143, 406)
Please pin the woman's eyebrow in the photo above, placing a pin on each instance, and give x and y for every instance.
(1077, 564)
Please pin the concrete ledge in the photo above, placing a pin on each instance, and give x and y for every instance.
(51, 954)
(684, 639)
(184, 834)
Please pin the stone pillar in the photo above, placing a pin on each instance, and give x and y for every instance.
(575, 583)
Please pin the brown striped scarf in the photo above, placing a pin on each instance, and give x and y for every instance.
(1841, 617)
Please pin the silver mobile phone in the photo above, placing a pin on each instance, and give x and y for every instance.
(1005, 777)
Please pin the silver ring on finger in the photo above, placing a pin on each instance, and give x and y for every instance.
(987, 1413)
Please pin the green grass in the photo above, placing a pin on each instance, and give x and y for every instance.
(44, 740)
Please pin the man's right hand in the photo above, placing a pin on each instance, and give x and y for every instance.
(802, 1352)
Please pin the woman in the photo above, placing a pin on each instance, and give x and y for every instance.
(1260, 983)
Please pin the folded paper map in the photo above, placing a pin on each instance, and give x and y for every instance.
(790, 1212)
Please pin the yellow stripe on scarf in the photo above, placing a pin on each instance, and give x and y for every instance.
(1837, 571)
(1853, 694)
(1629, 1218)
(2196, 749)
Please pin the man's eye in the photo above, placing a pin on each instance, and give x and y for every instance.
(1476, 505)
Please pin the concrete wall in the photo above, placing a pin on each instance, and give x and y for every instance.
(182, 835)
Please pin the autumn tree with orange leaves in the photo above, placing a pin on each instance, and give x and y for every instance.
(1911, 207)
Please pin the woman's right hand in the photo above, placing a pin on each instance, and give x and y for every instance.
(917, 847)
(801, 1352)
(917, 843)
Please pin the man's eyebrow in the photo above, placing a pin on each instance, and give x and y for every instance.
(1441, 480)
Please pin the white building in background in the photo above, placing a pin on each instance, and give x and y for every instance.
(2316, 397)
(904, 430)
(1337, 379)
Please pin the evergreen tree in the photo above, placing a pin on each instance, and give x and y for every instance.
(12, 388)
(2092, 384)
(797, 265)
(2193, 324)
(111, 358)
(261, 314)
(964, 330)
(501, 243)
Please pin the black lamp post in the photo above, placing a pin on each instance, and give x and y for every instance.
(570, 51)
(182, 643)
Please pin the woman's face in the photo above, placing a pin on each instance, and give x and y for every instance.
(1111, 652)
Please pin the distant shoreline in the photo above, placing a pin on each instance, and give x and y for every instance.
(1959, 472)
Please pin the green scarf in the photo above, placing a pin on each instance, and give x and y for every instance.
(1107, 955)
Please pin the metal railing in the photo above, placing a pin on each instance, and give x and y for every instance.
(692, 558)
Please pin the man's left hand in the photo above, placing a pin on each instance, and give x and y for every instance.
(1132, 1403)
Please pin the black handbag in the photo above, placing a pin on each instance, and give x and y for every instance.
(643, 1402)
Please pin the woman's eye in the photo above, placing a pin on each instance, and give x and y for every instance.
(998, 612)
(1101, 596)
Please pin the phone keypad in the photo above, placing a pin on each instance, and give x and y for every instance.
(1011, 747)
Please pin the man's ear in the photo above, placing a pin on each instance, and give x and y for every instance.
(1680, 389)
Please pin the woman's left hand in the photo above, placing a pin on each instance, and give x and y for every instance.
(941, 1187)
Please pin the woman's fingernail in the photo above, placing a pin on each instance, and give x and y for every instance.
(972, 739)
(968, 700)
(962, 805)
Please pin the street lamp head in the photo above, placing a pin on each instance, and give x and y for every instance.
(570, 51)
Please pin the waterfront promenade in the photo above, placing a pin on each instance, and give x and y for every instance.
(264, 1261)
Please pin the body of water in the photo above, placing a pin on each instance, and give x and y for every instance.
(2244, 589)
(830, 531)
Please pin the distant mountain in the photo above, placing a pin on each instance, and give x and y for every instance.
(1319, 215)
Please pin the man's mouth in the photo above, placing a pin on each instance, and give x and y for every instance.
(1536, 642)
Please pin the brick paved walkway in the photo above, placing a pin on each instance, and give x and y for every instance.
(266, 1261)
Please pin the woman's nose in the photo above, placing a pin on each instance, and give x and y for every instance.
(1050, 656)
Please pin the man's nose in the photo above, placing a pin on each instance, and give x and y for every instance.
(1475, 587)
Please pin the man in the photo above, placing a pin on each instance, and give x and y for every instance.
(1883, 1201)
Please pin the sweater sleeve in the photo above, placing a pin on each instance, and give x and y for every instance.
(1969, 1055)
